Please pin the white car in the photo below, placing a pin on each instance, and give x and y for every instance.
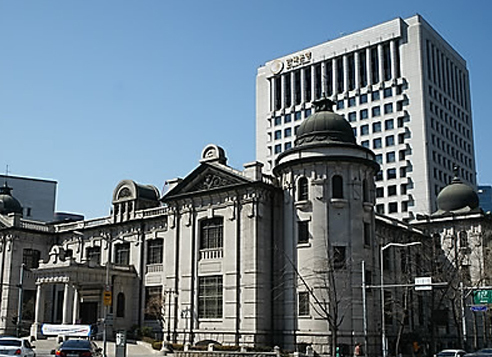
(13, 346)
(451, 353)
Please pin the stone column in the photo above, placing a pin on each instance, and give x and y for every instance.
(324, 76)
(356, 70)
(345, 74)
(282, 92)
(75, 305)
(334, 72)
(380, 62)
(66, 305)
(394, 59)
(38, 311)
(39, 308)
(302, 84)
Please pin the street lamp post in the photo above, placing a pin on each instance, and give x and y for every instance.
(383, 327)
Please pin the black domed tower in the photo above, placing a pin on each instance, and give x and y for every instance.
(8, 203)
(328, 188)
(457, 197)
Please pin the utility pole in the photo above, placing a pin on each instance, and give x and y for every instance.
(21, 297)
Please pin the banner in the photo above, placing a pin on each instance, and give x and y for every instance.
(66, 330)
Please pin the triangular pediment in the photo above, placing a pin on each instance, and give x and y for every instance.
(207, 177)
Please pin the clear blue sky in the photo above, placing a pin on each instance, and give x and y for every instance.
(96, 91)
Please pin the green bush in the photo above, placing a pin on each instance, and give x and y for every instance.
(157, 345)
(146, 331)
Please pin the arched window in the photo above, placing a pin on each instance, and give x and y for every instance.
(120, 305)
(337, 186)
(303, 192)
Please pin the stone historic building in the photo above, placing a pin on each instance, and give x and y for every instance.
(246, 258)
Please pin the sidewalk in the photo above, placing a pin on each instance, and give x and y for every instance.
(139, 349)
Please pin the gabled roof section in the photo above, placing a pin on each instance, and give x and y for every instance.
(208, 177)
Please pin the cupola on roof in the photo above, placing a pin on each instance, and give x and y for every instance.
(324, 126)
(8, 203)
(457, 197)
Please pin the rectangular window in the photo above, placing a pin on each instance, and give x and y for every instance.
(277, 149)
(393, 207)
(210, 297)
(367, 234)
(379, 176)
(388, 108)
(307, 113)
(377, 143)
(390, 156)
(30, 257)
(363, 98)
(339, 257)
(364, 114)
(376, 111)
(375, 95)
(379, 159)
(212, 233)
(153, 302)
(122, 254)
(155, 251)
(93, 254)
(352, 116)
(392, 190)
(391, 173)
(340, 104)
(351, 102)
(302, 232)
(287, 146)
(380, 208)
(389, 124)
(402, 155)
(288, 132)
(365, 143)
(376, 127)
(364, 130)
(388, 92)
(403, 189)
(401, 122)
(303, 303)
(390, 140)
(379, 192)
(297, 116)
(278, 134)
(278, 120)
(287, 118)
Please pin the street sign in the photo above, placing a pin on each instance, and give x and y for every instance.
(482, 297)
(476, 308)
(423, 283)
(107, 298)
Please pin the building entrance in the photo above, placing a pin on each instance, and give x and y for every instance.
(88, 313)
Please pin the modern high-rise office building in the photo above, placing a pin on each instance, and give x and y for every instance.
(404, 90)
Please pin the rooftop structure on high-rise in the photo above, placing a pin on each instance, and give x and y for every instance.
(404, 90)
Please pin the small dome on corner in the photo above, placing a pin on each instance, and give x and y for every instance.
(8, 203)
(457, 197)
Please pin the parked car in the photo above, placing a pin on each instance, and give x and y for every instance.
(484, 352)
(78, 348)
(13, 346)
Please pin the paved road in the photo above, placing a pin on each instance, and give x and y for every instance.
(44, 347)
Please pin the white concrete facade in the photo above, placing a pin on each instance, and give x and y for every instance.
(405, 91)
